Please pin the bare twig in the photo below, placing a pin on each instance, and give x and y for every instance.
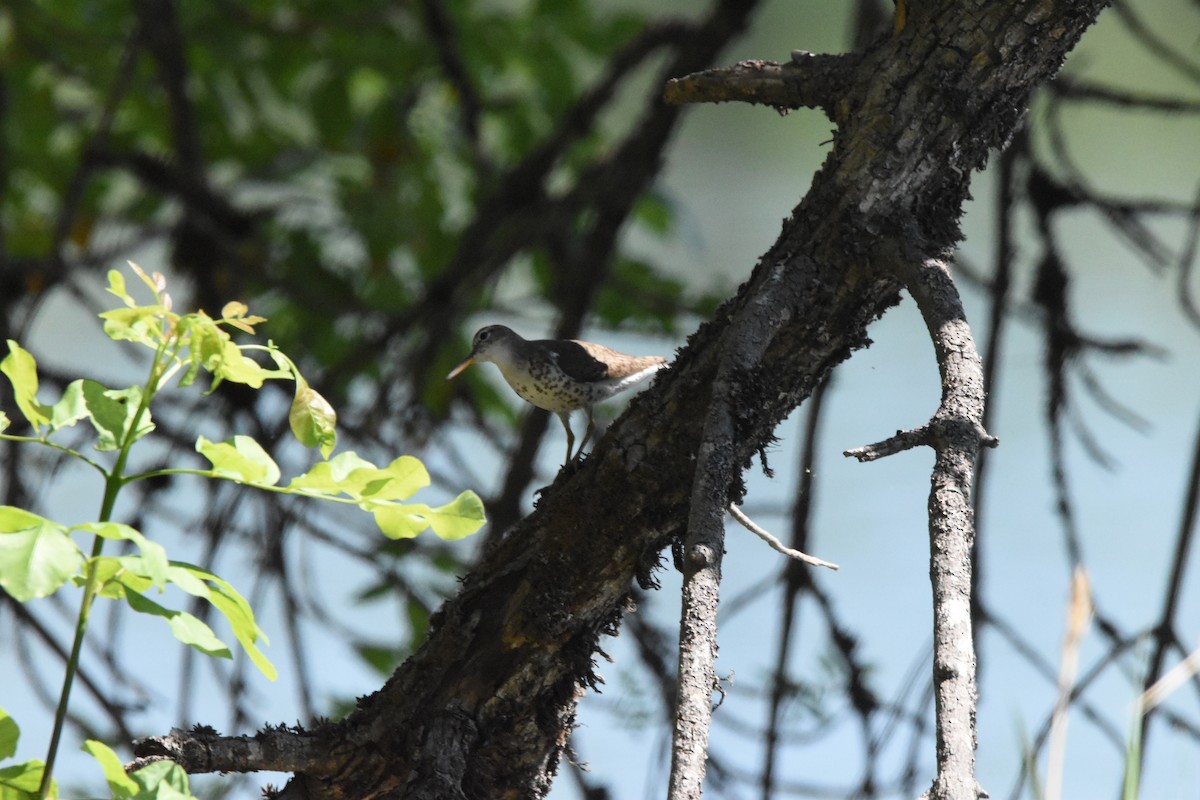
(774, 543)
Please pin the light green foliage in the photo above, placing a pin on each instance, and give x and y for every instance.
(312, 418)
(39, 556)
(36, 555)
(20, 368)
(241, 459)
(162, 780)
(18, 781)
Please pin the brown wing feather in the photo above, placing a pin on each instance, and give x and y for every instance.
(575, 360)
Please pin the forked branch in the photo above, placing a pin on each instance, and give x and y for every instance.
(955, 433)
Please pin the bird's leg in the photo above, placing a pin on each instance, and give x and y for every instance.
(587, 434)
(565, 417)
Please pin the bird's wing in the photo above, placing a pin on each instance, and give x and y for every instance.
(576, 360)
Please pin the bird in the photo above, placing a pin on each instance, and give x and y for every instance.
(559, 375)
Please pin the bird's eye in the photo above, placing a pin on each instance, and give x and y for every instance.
(483, 335)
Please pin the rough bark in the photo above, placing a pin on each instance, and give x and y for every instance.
(484, 708)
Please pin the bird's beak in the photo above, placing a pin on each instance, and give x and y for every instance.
(454, 372)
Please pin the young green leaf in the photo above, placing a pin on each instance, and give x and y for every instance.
(457, 519)
(312, 419)
(120, 784)
(184, 627)
(112, 576)
(345, 473)
(196, 582)
(404, 477)
(22, 781)
(70, 408)
(116, 286)
(240, 615)
(230, 364)
(4, 421)
(137, 324)
(36, 555)
(152, 564)
(112, 412)
(21, 369)
(240, 459)
(162, 780)
(399, 520)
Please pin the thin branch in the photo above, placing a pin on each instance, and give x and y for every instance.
(776, 545)
(794, 581)
(741, 351)
(1175, 581)
(903, 440)
(956, 433)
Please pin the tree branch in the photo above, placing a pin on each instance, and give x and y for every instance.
(809, 81)
(202, 749)
(743, 344)
(956, 434)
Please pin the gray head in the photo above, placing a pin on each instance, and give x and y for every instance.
(493, 343)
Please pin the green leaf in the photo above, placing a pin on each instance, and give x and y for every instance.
(455, 520)
(358, 478)
(202, 583)
(312, 419)
(21, 369)
(334, 477)
(152, 564)
(162, 780)
(400, 521)
(22, 781)
(112, 412)
(112, 577)
(10, 732)
(228, 363)
(459, 518)
(138, 324)
(241, 459)
(36, 555)
(401, 479)
(120, 784)
(116, 286)
(184, 627)
(71, 408)
(4, 421)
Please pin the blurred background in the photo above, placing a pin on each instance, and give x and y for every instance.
(380, 179)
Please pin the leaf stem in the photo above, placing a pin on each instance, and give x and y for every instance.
(55, 446)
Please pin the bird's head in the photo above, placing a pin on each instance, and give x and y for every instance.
(492, 343)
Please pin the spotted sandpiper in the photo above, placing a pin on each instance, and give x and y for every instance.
(559, 375)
